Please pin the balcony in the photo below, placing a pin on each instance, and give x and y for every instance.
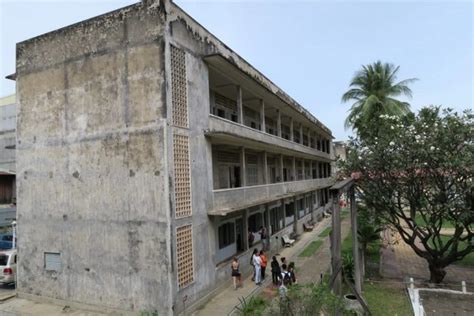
(226, 201)
(235, 133)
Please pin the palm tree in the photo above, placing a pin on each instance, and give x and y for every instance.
(374, 91)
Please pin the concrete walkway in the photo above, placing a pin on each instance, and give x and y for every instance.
(308, 270)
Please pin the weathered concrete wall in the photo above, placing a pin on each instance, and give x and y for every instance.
(92, 170)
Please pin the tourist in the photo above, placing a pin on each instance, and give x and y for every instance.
(257, 263)
(283, 260)
(255, 252)
(251, 238)
(236, 276)
(291, 271)
(264, 238)
(285, 275)
(263, 258)
(276, 271)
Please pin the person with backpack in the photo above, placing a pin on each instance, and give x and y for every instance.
(291, 271)
(276, 271)
(285, 276)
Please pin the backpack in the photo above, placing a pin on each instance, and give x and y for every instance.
(287, 279)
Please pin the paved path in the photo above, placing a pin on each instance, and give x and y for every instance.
(308, 270)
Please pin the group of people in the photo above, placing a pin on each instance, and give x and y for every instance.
(263, 238)
(283, 275)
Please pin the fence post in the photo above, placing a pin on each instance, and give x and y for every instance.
(412, 284)
(463, 284)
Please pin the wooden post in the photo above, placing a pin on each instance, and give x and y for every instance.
(336, 262)
(355, 243)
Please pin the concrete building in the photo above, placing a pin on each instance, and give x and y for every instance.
(146, 150)
(7, 149)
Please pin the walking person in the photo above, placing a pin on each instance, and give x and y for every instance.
(264, 238)
(263, 258)
(236, 275)
(257, 263)
(285, 275)
(276, 271)
(291, 271)
(254, 253)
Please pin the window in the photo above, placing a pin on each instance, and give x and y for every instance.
(255, 222)
(52, 261)
(221, 113)
(226, 235)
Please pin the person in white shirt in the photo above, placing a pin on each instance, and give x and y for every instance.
(257, 264)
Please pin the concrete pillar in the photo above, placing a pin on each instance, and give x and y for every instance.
(246, 228)
(266, 180)
(295, 216)
(292, 137)
(336, 262)
(267, 218)
(279, 123)
(303, 169)
(283, 208)
(311, 208)
(243, 171)
(262, 116)
(240, 108)
(301, 133)
(293, 167)
(309, 137)
(311, 169)
(355, 243)
(281, 169)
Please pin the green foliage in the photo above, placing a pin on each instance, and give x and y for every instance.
(348, 266)
(254, 306)
(418, 176)
(325, 232)
(374, 90)
(308, 300)
(311, 248)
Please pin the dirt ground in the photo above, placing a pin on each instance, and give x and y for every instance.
(445, 304)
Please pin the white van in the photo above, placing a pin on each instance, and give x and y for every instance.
(8, 260)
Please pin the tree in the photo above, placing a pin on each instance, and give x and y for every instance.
(368, 231)
(418, 177)
(374, 90)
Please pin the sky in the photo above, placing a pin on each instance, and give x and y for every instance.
(310, 49)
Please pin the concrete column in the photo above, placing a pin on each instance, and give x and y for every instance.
(303, 169)
(309, 137)
(301, 133)
(284, 212)
(246, 228)
(295, 216)
(292, 138)
(311, 169)
(279, 123)
(240, 108)
(281, 168)
(267, 212)
(311, 207)
(336, 262)
(266, 180)
(243, 171)
(293, 167)
(262, 116)
(355, 243)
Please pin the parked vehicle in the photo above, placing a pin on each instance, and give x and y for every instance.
(6, 241)
(8, 259)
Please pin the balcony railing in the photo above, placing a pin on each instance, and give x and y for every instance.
(228, 200)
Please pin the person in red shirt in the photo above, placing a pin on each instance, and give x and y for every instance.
(264, 263)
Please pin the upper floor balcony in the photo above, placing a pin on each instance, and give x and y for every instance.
(238, 98)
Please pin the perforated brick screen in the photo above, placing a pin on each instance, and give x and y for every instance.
(182, 178)
(178, 87)
(184, 253)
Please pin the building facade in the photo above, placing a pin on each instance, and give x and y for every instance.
(146, 152)
(7, 149)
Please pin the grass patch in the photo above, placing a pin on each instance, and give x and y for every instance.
(325, 232)
(386, 300)
(311, 248)
(252, 306)
(421, 222)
